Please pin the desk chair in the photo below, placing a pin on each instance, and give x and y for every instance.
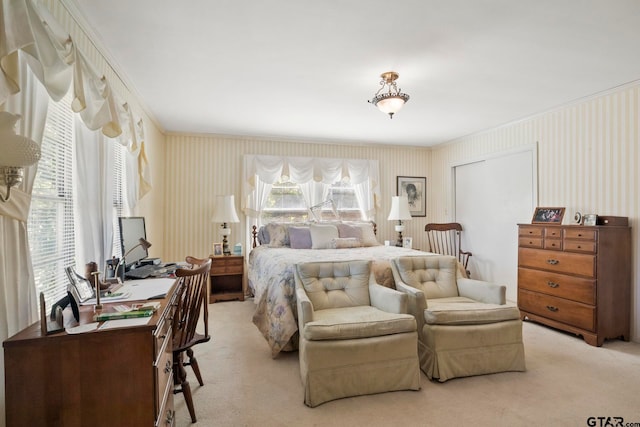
(445, 239)
(192, 299)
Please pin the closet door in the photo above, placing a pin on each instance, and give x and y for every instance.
(493, 195)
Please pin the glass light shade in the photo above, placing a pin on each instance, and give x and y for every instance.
(17, 151)
(225, 210)
(390, 105)
(399, 208)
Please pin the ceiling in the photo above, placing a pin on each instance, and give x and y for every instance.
(304, 69)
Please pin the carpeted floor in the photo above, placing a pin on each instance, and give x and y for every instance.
(567, 381)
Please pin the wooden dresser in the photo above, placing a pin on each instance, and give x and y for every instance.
(576, 278)
(115, 377)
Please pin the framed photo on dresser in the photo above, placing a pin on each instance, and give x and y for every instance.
(548, 216)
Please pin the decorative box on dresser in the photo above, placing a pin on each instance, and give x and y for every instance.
(576, 278)
(227, 278)
(115, 377)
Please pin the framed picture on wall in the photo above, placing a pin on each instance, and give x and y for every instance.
(548, 216)
(415, 188)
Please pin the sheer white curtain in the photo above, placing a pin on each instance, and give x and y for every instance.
(314, 175)
(18, 301)
(94, 162)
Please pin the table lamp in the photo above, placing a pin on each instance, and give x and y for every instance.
(225, 212)
(399, 211)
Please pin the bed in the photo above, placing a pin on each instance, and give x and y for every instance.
(271, 264)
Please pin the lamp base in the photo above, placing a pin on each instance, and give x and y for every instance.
(225, 246)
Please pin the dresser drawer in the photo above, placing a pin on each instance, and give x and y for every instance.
(561, 310)
(586, 247)
(530, 242)
(553, 244)
(553, 232)
(579, 233)
(559, 285)
(530, 231)
(560, 262)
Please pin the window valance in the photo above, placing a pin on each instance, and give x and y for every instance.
(57, 63)
(261, 172)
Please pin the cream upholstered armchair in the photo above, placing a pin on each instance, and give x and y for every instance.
(355, 336)
(465, 326)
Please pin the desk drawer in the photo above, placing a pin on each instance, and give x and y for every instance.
(570, 312)
(163, 368)
(560, 262)
(559, 285)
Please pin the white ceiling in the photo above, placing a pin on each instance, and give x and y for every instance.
(302, 69)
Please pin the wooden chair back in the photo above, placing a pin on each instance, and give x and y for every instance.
(192, 300)
(446, 239)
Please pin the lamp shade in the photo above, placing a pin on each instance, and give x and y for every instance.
(17, 151)
(399, 208)
(225, 210)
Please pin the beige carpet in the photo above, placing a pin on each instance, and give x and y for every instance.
(566, 382)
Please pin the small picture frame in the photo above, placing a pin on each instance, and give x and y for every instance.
(590, 219)
(407, 242)
(217, 249)
(551, 216)
(415, 188)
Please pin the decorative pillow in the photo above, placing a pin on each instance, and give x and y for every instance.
(348, 230)
(300, 237)
(278, 235)
(345, 243)
(368, 236)
(321, 235)
(263, 236)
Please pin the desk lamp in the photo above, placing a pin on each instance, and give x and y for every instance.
(225, 212)
(399, 211)
(142, 242)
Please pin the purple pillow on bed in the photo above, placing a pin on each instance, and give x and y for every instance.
(300, 237)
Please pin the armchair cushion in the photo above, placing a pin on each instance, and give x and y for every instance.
(335, 285)
(457, 311)
(356, 322)
(434, 275)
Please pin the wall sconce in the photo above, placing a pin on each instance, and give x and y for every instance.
(17, 152)
(225, 212)
(399, 211)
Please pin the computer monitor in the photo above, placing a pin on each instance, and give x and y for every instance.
(131, 230)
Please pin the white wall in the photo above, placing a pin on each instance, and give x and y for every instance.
(588, 161)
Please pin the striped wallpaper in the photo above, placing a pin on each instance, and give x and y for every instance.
(588, 161)
(200, 167)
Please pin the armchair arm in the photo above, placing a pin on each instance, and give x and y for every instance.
(387, 299)
(417, 302)
(305, 308)
(482, 291)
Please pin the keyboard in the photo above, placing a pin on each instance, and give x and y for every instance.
(144, 271)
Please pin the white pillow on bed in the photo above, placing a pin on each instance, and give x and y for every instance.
(322, 236)
(368, 236)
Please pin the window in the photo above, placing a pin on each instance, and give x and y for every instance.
(286, 203)
(51, 218)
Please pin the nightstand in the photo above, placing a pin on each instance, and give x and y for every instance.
(227, 278)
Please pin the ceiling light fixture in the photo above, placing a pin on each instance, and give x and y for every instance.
(393, 99)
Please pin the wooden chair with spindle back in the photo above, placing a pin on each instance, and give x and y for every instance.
(445, 239)
(192, 302)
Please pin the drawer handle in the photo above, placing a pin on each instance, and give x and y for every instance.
(552, 261)
(167, 367)
(552, 284)
(552, 308)
(579, 247)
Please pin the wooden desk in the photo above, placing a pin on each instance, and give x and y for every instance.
(114, 377)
